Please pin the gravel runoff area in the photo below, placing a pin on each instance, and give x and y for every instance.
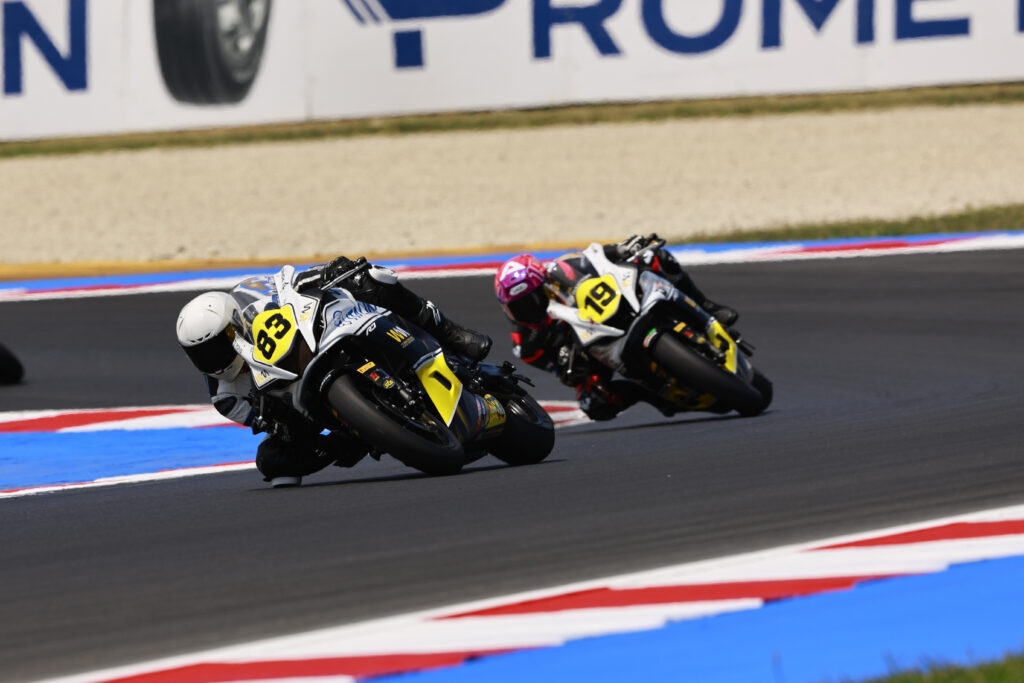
(479, 189)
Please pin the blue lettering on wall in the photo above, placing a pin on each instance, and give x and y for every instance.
(409, 43)
(426, 9)
(19, 21)
(660, 33)
(590, 17)
(908, 27)
(818, 11)
(1020, 15)
(586, 16)
(408, 49)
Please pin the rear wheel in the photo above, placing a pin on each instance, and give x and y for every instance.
(528, 435)
(210, 50)
(705, 376)
(421, 441)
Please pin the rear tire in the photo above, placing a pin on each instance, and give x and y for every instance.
(424, 442)
(208, 53)
(528, 435)
(704, 376)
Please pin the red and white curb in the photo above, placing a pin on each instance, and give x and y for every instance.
(109, 419)
(627, 603)
(938, 244)
(563, 414)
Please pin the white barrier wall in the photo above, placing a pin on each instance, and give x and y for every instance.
(77, 67)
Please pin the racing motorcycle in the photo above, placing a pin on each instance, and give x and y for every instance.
(352, 366)
(630, 319)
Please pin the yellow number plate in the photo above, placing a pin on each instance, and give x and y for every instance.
(598, 298)
(273, 333)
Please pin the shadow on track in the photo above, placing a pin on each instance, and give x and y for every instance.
(406, 476)
(674, 422)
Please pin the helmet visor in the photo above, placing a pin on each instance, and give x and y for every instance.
(531, 308)
(214, 354)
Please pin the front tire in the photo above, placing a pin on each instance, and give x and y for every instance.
(422, 441)
(763, 385)
(210, 50)
(704, 376)
(528, 435)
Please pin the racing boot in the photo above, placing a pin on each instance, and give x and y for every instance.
(684, 283)
(341, 449)
(602, 400)
(469, 343)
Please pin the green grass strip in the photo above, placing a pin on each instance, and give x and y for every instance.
(1001, 93)
(988, 219)
(1008, 670)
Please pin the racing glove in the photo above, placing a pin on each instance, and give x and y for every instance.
(632, 245)
(338, 267)
(572, 365)
(322, 275)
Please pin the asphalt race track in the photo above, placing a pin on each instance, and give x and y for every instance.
(899, 397)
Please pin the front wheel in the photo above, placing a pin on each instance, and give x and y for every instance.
(704, 376)
(763, 385)
(421, 441)
(528, 435)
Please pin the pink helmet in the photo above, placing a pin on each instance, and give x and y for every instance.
(518, 286)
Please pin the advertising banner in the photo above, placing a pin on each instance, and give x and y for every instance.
(82, 67)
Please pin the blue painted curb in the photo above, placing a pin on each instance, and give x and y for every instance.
(39, 459)
(966, 615)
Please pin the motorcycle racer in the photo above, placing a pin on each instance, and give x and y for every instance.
(294, 447)
(523, 286)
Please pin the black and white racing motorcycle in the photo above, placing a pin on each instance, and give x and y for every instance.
(353, 366)
(629, 318)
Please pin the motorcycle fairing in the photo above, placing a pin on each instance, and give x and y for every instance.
(345, 316)
(304, 307)
(656, 289)
(586, 332)
(274, 332)
(597, 297)
(725, 343)
(440, 383)
(624, 275)
(272, 313)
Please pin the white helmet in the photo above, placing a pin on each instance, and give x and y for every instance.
(205, 333)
